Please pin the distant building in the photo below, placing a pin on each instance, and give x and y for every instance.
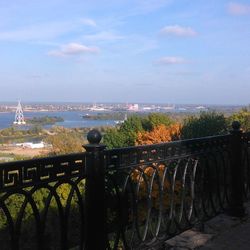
(96, 108)
(31, 145)
(133, 107)
(147, 108)
(200, 107)
(169, 107)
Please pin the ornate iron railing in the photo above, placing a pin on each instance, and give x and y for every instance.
(128, 198)
(41, 203)
(160, 190)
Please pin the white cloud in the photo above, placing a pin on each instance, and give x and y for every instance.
(177, 30)
(238, 8)
(45, 31)
(72, 49)
(89, 22)
(38, 31)
(104, 36)
(170, 60)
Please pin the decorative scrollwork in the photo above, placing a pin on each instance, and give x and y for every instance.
(42, 203)
(32, 172)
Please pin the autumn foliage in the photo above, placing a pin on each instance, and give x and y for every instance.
(160, 133)
(147, 184)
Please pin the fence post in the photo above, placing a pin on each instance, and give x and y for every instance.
(95, 213)
(236, 207)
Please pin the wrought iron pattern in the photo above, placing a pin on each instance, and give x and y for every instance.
(152, 193)
(42, 203)
(157, 191)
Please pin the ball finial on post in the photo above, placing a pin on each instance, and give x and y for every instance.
(236, 125)
(94, 136)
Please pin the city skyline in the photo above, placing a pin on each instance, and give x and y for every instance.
(151, 51)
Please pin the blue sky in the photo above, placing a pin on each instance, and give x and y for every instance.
(169, 51)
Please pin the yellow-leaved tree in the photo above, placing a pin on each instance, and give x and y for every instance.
(159, 134)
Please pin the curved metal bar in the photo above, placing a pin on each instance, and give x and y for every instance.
(183, 189)
(120, 222)
(214, 194)
(142, 178)
(75, 189)
(13, 241)
(189, 212)
(129, 181)
(207, 188)
(151, 182)
(172, 199)
(160, 197)
(28, 199)
(221, 182)
(199, 189)
(166, 189)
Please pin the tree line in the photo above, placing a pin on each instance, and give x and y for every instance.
(159, 127)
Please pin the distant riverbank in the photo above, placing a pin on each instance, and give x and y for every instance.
(71, 119)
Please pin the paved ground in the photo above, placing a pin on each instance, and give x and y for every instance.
(235, 237)
(222, 232)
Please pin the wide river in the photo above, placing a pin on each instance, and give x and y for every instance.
(72, 119)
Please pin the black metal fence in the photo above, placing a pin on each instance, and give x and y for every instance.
(127, 198)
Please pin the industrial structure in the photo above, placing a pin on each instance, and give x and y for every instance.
(19, 118)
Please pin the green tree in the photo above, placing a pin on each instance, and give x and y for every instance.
(36, 129)
(113, 138)
(207, 124)
(243, 116)
(126, 134)
(156, 119)
(65, 141)
(133, 123)
(8, 131)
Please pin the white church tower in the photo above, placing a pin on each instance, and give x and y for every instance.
(19, 118)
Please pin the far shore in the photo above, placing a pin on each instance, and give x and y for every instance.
(2, 112)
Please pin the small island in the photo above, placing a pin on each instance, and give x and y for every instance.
(45, 120)
(105, 116)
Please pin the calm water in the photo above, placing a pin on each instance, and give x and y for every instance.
(72, 119)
